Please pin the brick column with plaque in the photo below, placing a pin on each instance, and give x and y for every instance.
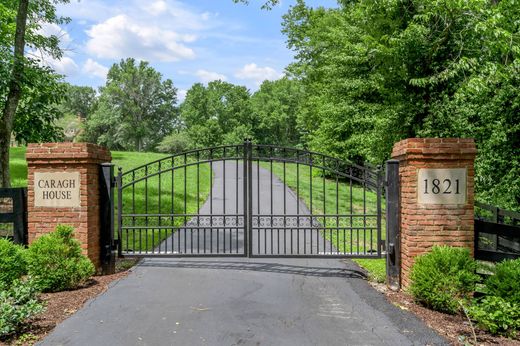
(63, 188)
(436, 195)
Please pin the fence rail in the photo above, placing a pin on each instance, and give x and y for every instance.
(497, 233)
(13, 214)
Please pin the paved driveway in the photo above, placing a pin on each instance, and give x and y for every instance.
(242, 301)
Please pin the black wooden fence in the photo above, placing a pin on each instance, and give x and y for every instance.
(497, 233)
(13, 214)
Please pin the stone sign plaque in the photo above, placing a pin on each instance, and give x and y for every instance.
(57, 189)
(442, 186)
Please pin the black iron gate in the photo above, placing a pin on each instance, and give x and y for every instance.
(250, 200)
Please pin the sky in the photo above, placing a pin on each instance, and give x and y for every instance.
(188, 41)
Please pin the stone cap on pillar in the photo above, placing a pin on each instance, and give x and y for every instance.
(77, 153)
(435, 149)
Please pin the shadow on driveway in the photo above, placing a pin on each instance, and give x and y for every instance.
(259, 267)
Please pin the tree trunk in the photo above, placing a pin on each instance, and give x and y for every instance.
(14, 95)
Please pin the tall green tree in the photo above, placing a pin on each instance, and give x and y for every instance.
(216, 114)
(275, 107)
(20, 21)
(374, 72)
(80, 100)
(136, 108)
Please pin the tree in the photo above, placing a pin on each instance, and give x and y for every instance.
(20, 22)
(216, 114)
(80, 100)
(275, 107)
(374, 72)
(137, 109)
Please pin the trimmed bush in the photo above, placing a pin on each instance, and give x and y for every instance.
(55, 261)
(496, 315)
(505, 282)
(443, 278)
(12, 262)
(18, 304)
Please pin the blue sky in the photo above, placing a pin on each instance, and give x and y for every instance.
(187, 41)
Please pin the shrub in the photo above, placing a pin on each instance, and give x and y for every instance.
(505, 282)
(55, 261)
(496, 315)
(18, 304)
(444, 277)
(12, 263)
(175, 143)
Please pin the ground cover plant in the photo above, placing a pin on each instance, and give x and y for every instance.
(18, 303)
(499, 310)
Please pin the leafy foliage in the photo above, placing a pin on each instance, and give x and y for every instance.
(374, 72)
(41, 87)
(497, 315)
(136, 108)
(18, 304)
(55, 261)
(175, 143)
(12, 263)
(505, 282)
(443, 277)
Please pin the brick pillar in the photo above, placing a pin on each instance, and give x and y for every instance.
(63, 188)
(436, 202)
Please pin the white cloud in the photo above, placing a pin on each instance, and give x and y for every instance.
(92, 67)
(156, 7)
(121, 36)
(257, 74)
(49, 29)
(64, 65)
(208, 76)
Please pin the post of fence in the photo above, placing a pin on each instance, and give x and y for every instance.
(106, 184)
(393, 266)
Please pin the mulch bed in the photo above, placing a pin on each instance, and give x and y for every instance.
(454, 328)
(61, 305)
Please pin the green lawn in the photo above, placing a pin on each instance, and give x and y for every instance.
(144, 196)
(338, 195)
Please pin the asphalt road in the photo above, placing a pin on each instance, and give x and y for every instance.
(242, 301)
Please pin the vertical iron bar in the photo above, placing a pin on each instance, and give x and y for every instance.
(392, 225)
(284, 205)
(364, 211)
(185, 203)
(146, 207)
(224, 201)
(133, 211)
(246, 199)
(198, 201)
(159, 206)
(325, 214)
(236, 200)
(337, 215)
(172, 223)
(210, 201)
(351, 212)
(379, 214)
(297, 202)
(250, 192)
(271, 195)
(119, 181)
